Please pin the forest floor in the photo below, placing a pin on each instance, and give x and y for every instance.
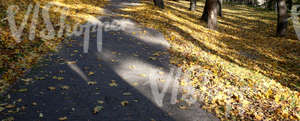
(115, 84)
(246, 73)
(17, 58)
(253, 74)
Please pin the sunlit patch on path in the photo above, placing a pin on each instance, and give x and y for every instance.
(114, 84)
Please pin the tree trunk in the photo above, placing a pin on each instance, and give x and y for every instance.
(289, 4)
(205, 13)
(210, 13)
(270, 4)
(193, 5)
(212, 10)
(282, 18)
(155, 2)
(250, 2)
(220, 8)
(159, 3)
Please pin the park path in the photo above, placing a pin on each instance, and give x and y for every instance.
(111, 85)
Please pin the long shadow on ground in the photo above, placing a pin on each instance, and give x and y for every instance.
(78, 102)
(71, 83)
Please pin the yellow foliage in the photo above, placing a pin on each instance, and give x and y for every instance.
(15, 58)
(249, 65)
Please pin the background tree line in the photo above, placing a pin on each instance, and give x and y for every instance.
(213, 8)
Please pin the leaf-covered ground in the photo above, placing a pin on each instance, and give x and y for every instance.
(17, 58)
(114, 84)
(254, 75)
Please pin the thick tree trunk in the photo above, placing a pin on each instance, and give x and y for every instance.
(212, 10)
(282, 17)
(193, 5)
(205, 11)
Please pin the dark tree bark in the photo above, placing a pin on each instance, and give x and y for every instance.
(193, 5)
(220, 8)
(282, 18)
(155, 3)
(210, 13)
(270, 4)
(289, 4)
(159, 3)
(250, 2)
(205, 13)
